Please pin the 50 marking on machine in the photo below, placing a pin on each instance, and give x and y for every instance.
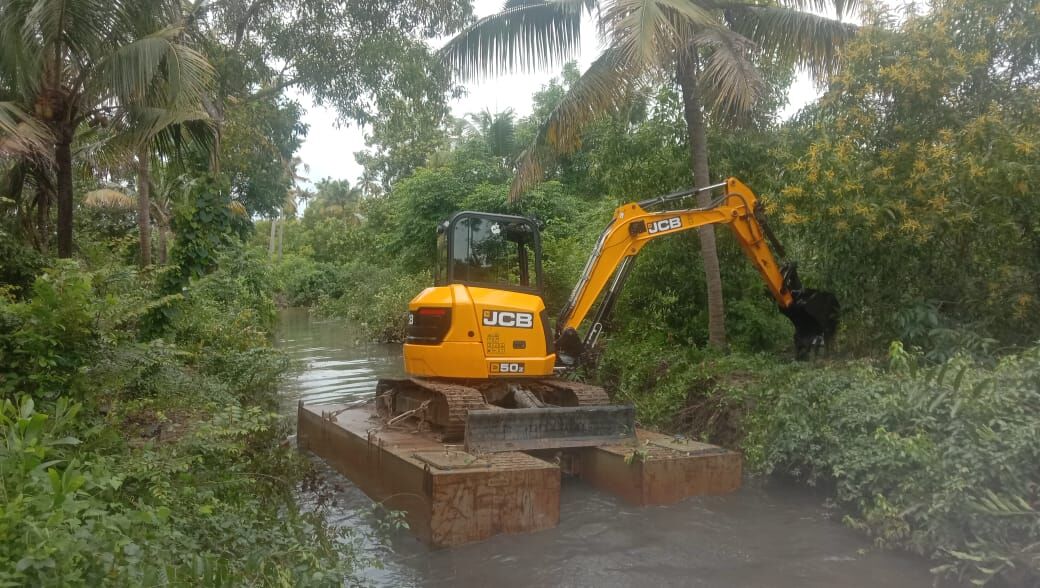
(506, 367)
(667, 224)
(507, 318)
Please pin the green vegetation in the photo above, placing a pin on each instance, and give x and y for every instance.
(142, 439)
(140, 461)
(937, 459)
(142, 442)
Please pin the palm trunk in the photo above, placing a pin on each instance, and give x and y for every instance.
(693, 111)
(163, 229)
(43, 216)
(144, 206)
(214, 156)
(63, 165)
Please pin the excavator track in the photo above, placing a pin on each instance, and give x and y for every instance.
(441, 404)
(580, 394)
(460, 400)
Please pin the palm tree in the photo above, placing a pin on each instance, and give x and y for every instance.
(707, 46)
(497, 131)
(68, 62)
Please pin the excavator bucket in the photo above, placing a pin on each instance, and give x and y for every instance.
(815, 317)
(525, 429)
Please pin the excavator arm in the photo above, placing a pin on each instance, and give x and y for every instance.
(813, 313)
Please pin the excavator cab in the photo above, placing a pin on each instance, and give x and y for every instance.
(490, 251)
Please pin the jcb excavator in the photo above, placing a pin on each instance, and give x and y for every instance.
(482, 355)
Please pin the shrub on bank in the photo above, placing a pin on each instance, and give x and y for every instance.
(129, 461)
(943, 460)
(377, 301)
(940, 459)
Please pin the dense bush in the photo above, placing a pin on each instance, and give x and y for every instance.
(19, 264)
(943, 460)
(668, 379)
(378, 302)
(131, 461)
(47, 339)
(913, 180)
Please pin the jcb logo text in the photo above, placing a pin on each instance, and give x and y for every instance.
(505, 318)
(663, 225)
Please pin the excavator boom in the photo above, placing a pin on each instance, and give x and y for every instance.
(813, 313)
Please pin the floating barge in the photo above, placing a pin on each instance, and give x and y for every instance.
(451, 496)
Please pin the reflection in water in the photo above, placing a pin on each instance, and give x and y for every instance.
(336, 367)
(759, 536)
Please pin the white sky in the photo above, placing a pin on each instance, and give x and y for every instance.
(328, 151)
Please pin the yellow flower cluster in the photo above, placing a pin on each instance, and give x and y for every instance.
(910, 226)
(1024, 146)
(1023, 306)
(939, 202)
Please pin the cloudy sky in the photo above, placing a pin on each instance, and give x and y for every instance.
(329, 150)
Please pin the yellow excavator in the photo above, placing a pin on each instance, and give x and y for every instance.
(482, 357)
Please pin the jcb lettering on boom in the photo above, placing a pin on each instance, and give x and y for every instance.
(666, 224)
(507, 318)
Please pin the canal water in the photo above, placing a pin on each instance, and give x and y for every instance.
(766, 535)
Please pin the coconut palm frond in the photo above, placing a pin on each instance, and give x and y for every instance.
(191, 76)
(22, 135)
(841, 8)
(81, 26)
(109, 198)
(801, 38)
(603, 88)
(169, 127)
(131, 72)
(729, 79)
(191, 131)
(525, 36)
(647, 30)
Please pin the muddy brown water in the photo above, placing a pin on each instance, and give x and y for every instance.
(767, 534)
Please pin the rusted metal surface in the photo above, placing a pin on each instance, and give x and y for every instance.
(660, 470)
(523, 429)
(451, 460)
(683, 446)
(449, 497)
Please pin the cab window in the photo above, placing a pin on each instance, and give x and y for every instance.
(440, 275)
(492, 251)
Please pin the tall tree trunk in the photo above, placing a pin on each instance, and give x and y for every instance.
(281, 234)
(144, 206)
(693, 111)
(274, 234)
(63, 164)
